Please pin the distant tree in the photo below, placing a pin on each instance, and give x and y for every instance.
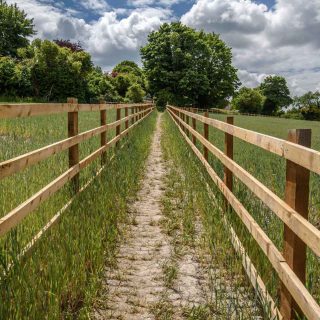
(189, 66)
(135, 93)
(73, 46)
(277, 94)
(248, 100)
(99, 86)
(130, 72)
(15, 28)
(309, 99)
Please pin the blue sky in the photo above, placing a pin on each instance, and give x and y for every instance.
(267, 37)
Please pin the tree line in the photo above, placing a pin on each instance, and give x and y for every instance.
(181, 66)
(46, 70)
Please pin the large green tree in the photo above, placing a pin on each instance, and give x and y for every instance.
(15, 28)
(56, 72)
(187, 67)
(248, 100)
(277, 94)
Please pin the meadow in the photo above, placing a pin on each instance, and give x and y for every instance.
(269, 169)
(59, 278)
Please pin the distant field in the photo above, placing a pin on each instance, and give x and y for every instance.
(270, 169)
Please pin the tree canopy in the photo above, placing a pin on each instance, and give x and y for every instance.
(185, 66)
(277, 94)
(248, 100)
(15, 28)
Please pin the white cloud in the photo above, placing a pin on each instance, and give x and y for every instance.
(282, 41)
(94, 4)
(109, 39)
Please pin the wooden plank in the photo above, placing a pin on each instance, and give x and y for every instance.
(305, 157)
(297, 197)
(14, 217)
(304, 299)
(37, 109)
(228, 150)
(73, 130)
(300, 226)
(206, 136)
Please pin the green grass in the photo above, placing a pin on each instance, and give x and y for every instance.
(60, 279)
(186, 200)
(270, 169)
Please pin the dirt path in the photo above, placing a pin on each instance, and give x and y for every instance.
(135, 285)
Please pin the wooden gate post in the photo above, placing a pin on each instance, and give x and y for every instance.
(228, 149)
(194, 127)
(103, 137)
(118, 127)
(73, 130)
(297, 197)
(206, 136)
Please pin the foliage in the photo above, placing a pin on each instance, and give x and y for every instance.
(56, 72)
(15, 28)
(192, 67)
(309, 99)
(311, 113)
(135, 93)
(73, 46)
(100, 87)
(277, 94)
(125, 75)
(14, 77)
(248, 100)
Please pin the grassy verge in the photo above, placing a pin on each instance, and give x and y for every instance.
(270, 169)
(187, 201)
(61, 277)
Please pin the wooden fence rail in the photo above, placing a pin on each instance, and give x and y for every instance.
(12, 166)
(299, 232)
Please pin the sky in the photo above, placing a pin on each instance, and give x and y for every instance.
(267, 37)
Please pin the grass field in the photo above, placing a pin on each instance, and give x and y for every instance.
(59, 279)
(270, 170)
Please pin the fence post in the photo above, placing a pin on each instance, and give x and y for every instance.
(73, 130)
(103, 137)
(228, 149)
(188, 123)
(132, 112)
(126, 113)
(118, 127)
(297, 197)
(206, 136)
(194, 127)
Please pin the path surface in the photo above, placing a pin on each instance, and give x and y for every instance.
(156, 276)
(136, 283)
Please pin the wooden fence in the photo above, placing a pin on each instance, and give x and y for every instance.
(138, 112)
(293, 211)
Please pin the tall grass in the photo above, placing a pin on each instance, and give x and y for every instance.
(60, 278)
(270, 169)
